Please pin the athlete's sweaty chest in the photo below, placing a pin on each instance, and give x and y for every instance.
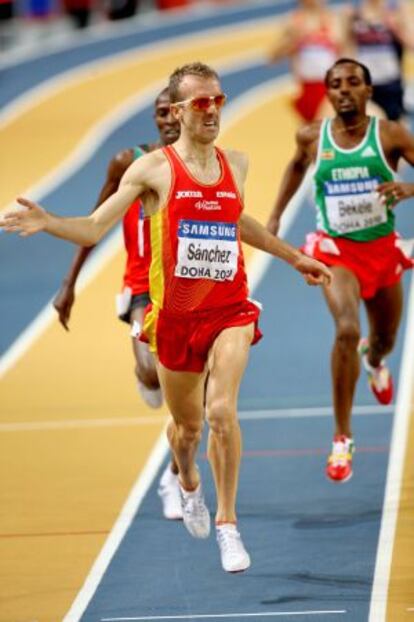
(207, 175)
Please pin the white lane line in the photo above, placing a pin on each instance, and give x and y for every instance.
(119, 530)
(96, 263)
(379, 595)
(314, 411)
(244, 415)
(71, 424)
(265, 614)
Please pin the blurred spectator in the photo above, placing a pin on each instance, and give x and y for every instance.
(39, 9)
(121, 9)
(312, 37)
(379, 32)
(79, 11)
(171, 4)
(6, 17)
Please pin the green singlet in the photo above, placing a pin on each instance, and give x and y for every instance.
(344, 184)
(139, 151)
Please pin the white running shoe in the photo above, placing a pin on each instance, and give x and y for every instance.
(169, 492)
(152, 397)
(196, 516)
(234, 557)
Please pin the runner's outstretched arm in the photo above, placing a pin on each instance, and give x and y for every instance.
(86, 230)
(254, 234)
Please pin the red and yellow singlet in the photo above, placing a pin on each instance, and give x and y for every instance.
(197, 259)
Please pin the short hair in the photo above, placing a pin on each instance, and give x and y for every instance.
(352, 61)
(191, 69)
(165, 92)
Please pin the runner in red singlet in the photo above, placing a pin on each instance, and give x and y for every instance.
(133, 299)
(202, 267)
(193, 193)
(312, 38)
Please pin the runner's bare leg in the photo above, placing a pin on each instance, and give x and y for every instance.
(226, 363)
(184, 395)
(343, 298)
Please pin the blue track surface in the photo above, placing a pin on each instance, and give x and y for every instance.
(305, 535)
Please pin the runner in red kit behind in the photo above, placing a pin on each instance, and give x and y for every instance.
(136, 230)
(134, 298)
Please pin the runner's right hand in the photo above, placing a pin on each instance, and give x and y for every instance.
(25, 221)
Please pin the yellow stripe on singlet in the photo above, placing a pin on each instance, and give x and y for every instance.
(156, 276)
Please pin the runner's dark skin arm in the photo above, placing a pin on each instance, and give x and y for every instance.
(306, 145)
(397, 144)
(65, 298)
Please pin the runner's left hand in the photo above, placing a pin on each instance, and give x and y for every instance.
(392, 192)
(314, 272)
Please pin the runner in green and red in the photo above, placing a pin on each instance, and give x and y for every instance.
(355, 158)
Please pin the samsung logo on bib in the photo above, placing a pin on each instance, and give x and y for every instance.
(189, 194)
(208, 206)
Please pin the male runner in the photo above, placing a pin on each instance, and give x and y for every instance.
(201, 320)
(134, 298)
(379, 34)
(355, 159)
(312, 39)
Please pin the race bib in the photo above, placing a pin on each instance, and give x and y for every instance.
(313, 61)
(207, 250)
(382, 63)
(353, 206)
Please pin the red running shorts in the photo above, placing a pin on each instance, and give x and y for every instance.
(182, 341)
(376, 264)
(309, 100)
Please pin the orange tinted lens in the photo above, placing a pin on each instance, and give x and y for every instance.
(200, 103)
(203, 103)
(219, 100)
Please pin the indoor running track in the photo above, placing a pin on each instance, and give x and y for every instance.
(82, 537)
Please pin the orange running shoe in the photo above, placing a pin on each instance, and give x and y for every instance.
(339, 467)
(379, 378)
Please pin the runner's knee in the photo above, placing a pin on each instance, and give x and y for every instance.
(146, 372)
(348, 333)
(189, 433)
(221, 416)
(383, 343)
